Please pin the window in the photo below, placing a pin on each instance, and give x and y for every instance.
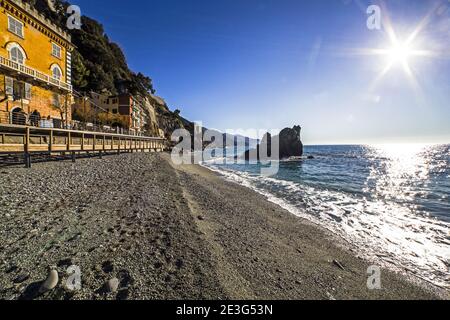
(15, 26)
(17, 89)
(9, 86)
(56, 72)
(28, 91)
(56, 102)
(16, 55)
(56, 51)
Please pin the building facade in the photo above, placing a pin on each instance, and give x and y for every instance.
(124, 111)
(35, 68)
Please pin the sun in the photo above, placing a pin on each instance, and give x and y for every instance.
(400, 53)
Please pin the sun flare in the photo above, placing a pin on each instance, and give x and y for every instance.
(400, 54)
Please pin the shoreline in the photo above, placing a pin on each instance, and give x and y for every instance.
(168, 232)
(339, 239)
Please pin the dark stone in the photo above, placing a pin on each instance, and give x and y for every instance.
(65, 263)
(338, 264)
(289, 142)
(107, 267)
(12, 269)
(21, 278)
(179, 263)
(125, 279)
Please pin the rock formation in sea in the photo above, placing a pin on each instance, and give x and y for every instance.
(290, 145)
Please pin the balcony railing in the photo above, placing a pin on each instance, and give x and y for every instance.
(31, 120)
(11, 65)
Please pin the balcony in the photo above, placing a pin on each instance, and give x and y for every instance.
(36, 75)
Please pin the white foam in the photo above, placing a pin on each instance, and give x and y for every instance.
(382, 231)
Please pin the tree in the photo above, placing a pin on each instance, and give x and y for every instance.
(80, 74)
(98, 63)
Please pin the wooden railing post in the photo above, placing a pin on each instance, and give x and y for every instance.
(50, 144)
(26, 148)
(69, 138)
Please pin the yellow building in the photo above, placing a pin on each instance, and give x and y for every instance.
(35, 68)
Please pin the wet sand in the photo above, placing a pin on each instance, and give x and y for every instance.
(167, 232)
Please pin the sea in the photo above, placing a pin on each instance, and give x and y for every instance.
(391, 203)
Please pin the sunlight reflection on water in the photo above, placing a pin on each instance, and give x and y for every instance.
(391, 201)
(405, 166)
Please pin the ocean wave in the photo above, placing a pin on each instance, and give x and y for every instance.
(383, 231)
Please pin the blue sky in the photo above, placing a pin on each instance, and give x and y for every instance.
(269, 64)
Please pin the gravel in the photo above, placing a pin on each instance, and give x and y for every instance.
(154, 231)
(120, 217)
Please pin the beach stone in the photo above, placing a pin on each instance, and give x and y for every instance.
(21, 278)
(107, 267)
(65, 262)
(51, 282)
(338, 264)
(201, 218)
(112, 285)
(12, 269)
(179, 263)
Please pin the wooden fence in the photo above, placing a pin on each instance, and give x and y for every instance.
(29, 141)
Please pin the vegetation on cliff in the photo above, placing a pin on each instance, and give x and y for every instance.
(99, 64)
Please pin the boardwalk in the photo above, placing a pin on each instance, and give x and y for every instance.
(25, 142)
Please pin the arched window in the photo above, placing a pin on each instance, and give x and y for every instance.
(56, 72)
(16, 54)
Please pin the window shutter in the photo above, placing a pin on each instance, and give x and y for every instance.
(28, 91)
(9, 86)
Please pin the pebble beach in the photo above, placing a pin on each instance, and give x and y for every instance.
(137, 227)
